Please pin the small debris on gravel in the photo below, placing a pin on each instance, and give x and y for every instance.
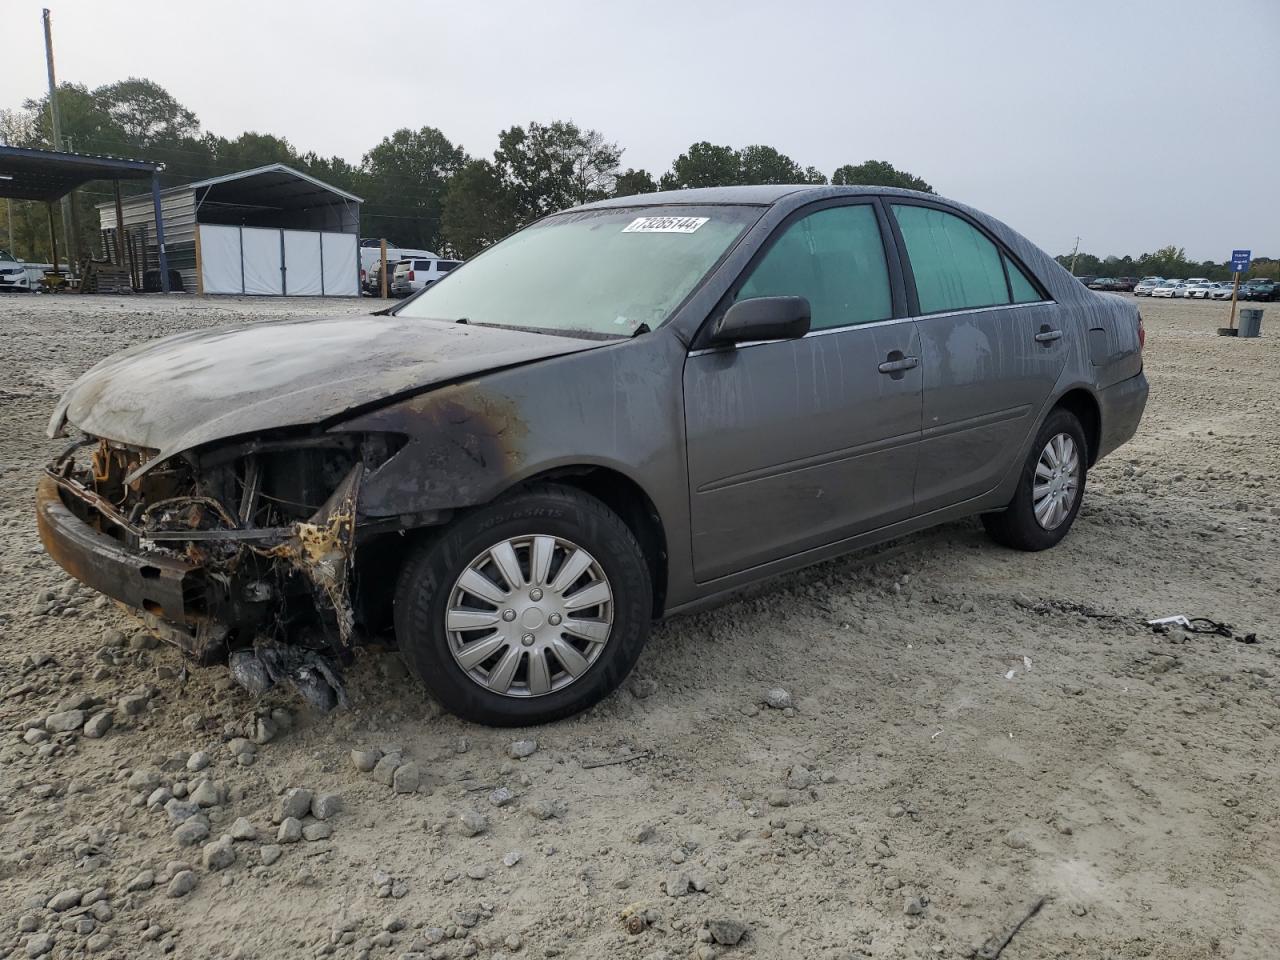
(519, 749)
(778, 698)
(290, 830)
(326, 805)
(182, 883)
(727, 932)
(406, 778)
(296, 803)
(642, 688)
(220, 854)
(915, 906)
(472, 822)
(501, 797)
(64, 900)
(98, 725)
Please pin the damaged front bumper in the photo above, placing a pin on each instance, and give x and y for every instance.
(205, 579)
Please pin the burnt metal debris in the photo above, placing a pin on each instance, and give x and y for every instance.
(239, 561)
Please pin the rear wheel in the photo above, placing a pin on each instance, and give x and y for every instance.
(526, 611)
(1050, 488)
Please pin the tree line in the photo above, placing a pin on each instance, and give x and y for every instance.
(1169, 262)
(420, 189)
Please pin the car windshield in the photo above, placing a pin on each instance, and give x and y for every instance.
(595, 273)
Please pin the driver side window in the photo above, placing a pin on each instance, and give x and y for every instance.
(834, 258)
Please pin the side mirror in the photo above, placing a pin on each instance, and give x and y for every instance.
(763, 318)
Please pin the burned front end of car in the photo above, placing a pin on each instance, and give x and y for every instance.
(243, 550)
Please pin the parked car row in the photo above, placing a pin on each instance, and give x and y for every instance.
(1260, 290)
(1202, 288)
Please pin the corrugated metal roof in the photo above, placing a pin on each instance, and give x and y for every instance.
(275, 176)
(30, 174)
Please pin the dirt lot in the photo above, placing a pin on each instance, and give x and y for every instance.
(973, 729)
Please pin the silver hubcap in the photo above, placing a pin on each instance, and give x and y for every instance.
(1057, 482)
(529, 616)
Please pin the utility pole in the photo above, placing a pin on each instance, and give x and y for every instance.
(72, 241)
(1074, 251)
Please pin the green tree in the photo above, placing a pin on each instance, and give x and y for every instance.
(632, 182)
(479, 209)
(548, 167)
(762, 164)
(406, 176)
(249, 150)
(878, 173)
(704, 164)
(146, 112)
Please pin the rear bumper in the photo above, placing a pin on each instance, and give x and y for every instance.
(1121, 405)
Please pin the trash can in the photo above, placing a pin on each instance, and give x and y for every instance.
(1250, 322)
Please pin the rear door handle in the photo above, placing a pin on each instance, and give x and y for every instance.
(896, 363)
(1048, 336)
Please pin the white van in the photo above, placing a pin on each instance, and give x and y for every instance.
(413, 274)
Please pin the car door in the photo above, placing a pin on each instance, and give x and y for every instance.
(992, 348)
(800, 443)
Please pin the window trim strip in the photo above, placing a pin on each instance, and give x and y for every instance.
(874, 323)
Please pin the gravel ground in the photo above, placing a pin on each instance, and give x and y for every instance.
(972, 729)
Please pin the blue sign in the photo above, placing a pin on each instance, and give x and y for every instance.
(1240, 261)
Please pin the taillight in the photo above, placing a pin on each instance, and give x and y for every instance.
(1142, 333)
(411, 275)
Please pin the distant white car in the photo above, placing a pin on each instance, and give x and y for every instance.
(14, 276)
(1222, 290)
(1144, 286)
(1169, 288)
(1198, 290)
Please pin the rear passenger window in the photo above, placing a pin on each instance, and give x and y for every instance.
(834, 258)
(955, 266)
(1024, 290)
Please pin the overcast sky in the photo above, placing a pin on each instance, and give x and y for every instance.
(1130, 124)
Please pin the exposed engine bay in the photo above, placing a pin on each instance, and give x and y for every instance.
(243, 552)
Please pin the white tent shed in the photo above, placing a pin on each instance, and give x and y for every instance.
(272, 231)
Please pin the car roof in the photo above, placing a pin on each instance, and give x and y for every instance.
(765, 194)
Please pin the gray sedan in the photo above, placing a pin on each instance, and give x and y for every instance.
(624, 411)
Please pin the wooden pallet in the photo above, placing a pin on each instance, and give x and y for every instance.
(102, 276)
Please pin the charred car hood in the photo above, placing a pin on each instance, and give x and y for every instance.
(186, 390)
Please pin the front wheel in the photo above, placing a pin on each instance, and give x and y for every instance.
(527, 610)
(1049, 491)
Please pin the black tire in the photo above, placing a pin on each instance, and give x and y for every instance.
(1016, 526)
(432, 568)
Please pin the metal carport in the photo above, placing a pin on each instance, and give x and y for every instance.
(269, 230)
(48, 175)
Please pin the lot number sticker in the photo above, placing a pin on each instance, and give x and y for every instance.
(664, 224)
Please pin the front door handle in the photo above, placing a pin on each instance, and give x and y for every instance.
(1048, 335)
(897, 363)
